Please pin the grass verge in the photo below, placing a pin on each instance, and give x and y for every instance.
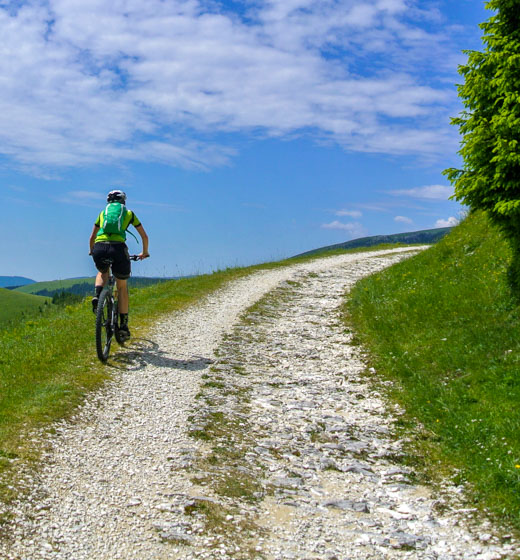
(444, 327)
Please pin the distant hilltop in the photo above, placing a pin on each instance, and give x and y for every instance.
(14, 281)
(426, 236)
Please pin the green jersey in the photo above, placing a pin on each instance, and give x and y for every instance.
(130, 219)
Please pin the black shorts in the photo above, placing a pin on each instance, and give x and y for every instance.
(117, 253)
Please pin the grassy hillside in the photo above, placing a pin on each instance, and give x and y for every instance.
(16, 307)
(54, 285)
(444, 328)
(79, 286)
(425, 236)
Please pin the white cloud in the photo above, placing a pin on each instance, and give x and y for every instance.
(87, 81)
(431, 192)
(450, 222)
(403, 220)
(90, 199)
(355, 229)
(351, 213)
(381, 207)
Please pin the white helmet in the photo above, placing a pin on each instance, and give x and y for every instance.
(116, 196)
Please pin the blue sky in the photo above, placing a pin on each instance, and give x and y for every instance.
(242, 131)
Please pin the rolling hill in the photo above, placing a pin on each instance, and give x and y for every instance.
(425, 236)
(15, 306)
(79, 286)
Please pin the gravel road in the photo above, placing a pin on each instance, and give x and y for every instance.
(123, 479)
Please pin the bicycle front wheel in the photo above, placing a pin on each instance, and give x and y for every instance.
(104, 328)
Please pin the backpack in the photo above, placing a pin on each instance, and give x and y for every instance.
(113, 218)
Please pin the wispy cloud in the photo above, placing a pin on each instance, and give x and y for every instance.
(355, 229)
(86, 195)
(98, 199)
(431, 192)
(87, 81)
(380, 207)
(92, 199)
(451, 221)
(403, 220)
(393, 206)
(164, 205)
(351, 213)
(16, 188)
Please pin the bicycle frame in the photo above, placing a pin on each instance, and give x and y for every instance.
(107, 315)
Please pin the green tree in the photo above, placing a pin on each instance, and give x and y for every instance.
(490, 126)
(65, 298)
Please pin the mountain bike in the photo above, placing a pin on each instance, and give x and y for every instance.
(107, 315)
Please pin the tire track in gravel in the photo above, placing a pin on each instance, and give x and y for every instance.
(117, 481)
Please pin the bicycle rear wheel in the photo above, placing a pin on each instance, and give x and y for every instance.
(104, 330)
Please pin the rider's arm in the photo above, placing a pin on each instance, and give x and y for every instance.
(92, 239)
(144, 238)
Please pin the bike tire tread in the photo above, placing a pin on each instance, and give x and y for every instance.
(103, 345)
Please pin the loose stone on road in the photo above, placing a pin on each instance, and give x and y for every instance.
(244, 432)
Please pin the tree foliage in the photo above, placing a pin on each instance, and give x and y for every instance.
(66, 298)
(490, 124)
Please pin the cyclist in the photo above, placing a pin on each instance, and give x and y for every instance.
(104, 245)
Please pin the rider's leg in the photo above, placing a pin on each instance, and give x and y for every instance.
(122, 296)
(122, 301)
(121, 269)
(101, 280)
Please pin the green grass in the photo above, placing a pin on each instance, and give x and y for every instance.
(444, 326)
(16, 307)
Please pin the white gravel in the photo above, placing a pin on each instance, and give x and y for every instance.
(118, 475)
